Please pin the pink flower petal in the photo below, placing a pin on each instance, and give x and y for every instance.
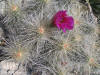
(69, 23)
(58, 26)
(63, 21)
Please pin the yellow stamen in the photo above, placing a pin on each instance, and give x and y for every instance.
(14, 8)
(18, 55)
(92, 62)
(41, 30)
(66, 46)
(77, 22)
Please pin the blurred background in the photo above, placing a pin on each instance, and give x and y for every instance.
(95, 4)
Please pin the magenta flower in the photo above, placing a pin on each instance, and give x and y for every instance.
(63, 21)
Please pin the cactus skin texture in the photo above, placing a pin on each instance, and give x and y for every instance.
(30, 44)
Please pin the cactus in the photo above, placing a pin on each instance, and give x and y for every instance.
(30, 43)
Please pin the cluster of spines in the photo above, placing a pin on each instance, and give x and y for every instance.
(50, 42)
